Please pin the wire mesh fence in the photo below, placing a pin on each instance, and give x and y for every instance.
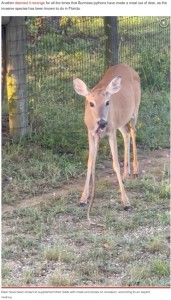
(144, 43)
(60, 48)
(137, 34)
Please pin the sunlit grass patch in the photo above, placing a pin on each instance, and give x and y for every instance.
(60, 280)
(152, 273)
(59, 253)
(161, 267)
(126, 256)
(5, 271)
(156, 244)
(163, 218)
(138, 273)
(27, 277)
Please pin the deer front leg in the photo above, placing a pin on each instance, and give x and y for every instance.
(85, 194)
(116, 167)
(126, 137)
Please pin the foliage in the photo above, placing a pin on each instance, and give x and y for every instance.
(154, 69)
(154, 120)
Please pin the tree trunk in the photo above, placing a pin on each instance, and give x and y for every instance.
(111, 49)
(16, 77)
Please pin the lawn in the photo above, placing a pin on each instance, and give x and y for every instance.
(47, 241)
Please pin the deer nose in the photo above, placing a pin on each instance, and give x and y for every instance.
(102, 123)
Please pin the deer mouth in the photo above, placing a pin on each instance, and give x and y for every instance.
(101, 125)
(102, 129)
(99, 130)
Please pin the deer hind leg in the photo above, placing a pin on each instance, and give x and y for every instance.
(85, 194)
(134, 147)
(126, 137)
(116, 167)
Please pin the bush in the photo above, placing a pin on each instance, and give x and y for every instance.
(153, 128)
(154, 69)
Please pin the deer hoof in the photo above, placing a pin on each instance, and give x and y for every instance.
(126, 208)
(82, 204)
(125, 177)
(135, 176)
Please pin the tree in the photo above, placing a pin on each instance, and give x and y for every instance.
(111, 49)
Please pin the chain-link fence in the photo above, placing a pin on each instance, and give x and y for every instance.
(60, 48)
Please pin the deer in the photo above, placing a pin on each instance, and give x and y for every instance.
(113, 104)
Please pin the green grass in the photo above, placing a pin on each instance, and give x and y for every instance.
(26, 172)
(59, 253)
(52, 244)
(153, 122)
(60, 280)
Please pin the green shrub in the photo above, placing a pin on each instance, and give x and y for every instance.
(153, 127)
(154, 69)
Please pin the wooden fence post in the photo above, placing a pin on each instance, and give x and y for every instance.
(111, 49)
(3, 71)
(16, 78)
(4, 22)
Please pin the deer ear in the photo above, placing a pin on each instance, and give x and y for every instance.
(114, 86)
(80, 87)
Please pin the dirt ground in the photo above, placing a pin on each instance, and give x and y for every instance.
(47, 240)
(149, 162)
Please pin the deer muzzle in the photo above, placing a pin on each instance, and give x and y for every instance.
(102, 124)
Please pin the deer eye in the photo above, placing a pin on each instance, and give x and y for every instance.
(107, 103)
(91, 104)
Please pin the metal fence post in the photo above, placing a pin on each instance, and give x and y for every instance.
(111, 47)
(16, 78)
